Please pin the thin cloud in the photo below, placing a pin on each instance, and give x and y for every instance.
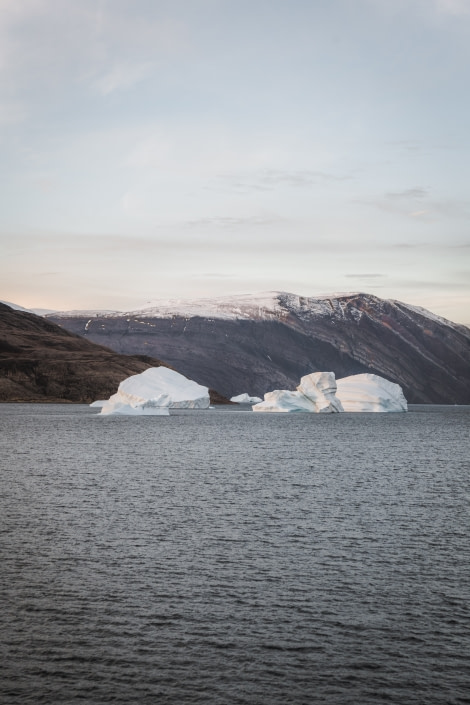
(409, 145)
(122, 77)
(64, 247)
(422, 147)
(271, 179)
(365, 276)
(407, 245)
(410, 193)
(442, 284)
(215, 275)
(234, 222)
(417, 204)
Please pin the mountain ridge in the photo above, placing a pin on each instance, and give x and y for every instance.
(239, 306)
(255, 343)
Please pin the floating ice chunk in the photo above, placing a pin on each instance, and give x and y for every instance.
(154, 391)
(98, 404)
(315, 394)
(368, 392)
(283, 401)
(245, 399)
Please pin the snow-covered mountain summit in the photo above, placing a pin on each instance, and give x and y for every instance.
(259, 306)
(240, 306)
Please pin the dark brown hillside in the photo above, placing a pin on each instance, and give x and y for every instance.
(41, 362)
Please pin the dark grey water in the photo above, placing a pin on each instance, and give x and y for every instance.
(215, 557)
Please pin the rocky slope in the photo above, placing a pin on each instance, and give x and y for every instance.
(40, 361)
(260, 343)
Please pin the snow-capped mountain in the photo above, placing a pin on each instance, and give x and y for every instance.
(256, 342)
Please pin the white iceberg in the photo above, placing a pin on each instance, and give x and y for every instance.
(315, 394)
(98, 404)
(154, 391)
(245, 399)
(368, 392)
(319, 392)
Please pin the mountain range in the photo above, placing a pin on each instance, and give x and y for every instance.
(257, 343)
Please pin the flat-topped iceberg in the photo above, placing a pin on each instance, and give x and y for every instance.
(154, 391)
(368, 392)
(245, 399)
(319, 392)
(315, 394)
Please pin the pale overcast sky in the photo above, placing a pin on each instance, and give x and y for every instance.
(154, 149)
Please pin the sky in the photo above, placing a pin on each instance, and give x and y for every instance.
(190, 148)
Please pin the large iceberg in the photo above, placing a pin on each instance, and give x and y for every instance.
(315, 394)
(245, 399)
(319, 392)
(154, 391)
(370, 392)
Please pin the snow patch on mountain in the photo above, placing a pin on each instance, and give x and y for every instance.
(260, 306)
(426, 314)
(269, 305)
(246, 306)
(90, 313)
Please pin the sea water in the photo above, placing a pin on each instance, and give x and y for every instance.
(215, 557)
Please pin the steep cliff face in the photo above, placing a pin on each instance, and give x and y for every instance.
(257, 344)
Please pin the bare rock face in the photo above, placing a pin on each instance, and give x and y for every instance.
(261, 343)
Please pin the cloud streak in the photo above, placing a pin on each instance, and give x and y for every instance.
(418, 203)
(122, 77)
(271, 179)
